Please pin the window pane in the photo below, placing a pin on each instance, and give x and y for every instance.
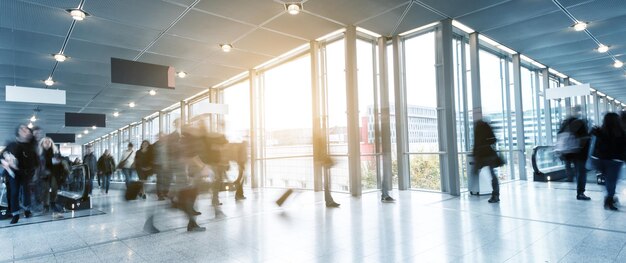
(287, 123)
(421, 99)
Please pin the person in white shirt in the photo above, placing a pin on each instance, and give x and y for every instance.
(126, 163)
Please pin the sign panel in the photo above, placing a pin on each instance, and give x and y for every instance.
(142, 74)
(62, 137)
(85, 119)
(35, 95)
(568, 91)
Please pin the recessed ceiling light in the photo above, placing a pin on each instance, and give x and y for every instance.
(79, 136)
(226, 47)
(49, 81)
(93, 127)
(86, 131)
(618, 64)
(59, 57)
(115, 114)
(152, 92)
(132, 104)
(182, 74)
(603, 48)
(293, 8)
(580, 26)
(77, 14)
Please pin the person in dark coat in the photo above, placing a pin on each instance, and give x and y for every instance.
(106, 167)
(485, 155)
(91, 162)
(19, 161)
(144, 160)
(577, 126)
(610, 149)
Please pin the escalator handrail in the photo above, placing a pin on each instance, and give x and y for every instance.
(534, 157)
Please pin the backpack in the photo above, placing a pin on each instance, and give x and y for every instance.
(566, 142)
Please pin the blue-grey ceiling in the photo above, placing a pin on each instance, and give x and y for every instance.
(185, 34)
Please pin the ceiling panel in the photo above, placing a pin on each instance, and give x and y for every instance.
(208, 28)
(459, 8)
(507, 13)
(385, 23)
(253, 12)
(236, 58)
(183, 47)
(416, 17)
(293, 25)
(207, 69)
(115, 34)
(269, 43)
(138, 13)
(29, 41)
(33, 17)
(350, 12)
(84, 50)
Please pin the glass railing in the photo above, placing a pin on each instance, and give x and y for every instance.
(547, 166)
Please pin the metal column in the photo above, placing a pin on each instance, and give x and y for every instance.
(400, 111)
(548, 109)
(183, 114)
(319, 115)
(254, 175)
(352, 95)
(385, 123)
(568, 100)
(596, 108)
(477, 112)
(450, 179)
(519, 115)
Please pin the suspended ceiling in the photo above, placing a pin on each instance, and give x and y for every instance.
(185, 34)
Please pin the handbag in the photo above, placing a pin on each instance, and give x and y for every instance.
(123, 162)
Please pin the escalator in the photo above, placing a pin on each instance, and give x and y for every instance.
(74, 193)
(546, 165)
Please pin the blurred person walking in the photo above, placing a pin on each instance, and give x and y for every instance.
(144, 162)
(126, 163)
(573, 141)
(106, 167)
(485, 155)
(19, 161)
(53, 169)
(91, 162)
(610, 149)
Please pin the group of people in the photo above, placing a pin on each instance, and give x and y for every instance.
(600, 148)
(32, 168)
(582, 148)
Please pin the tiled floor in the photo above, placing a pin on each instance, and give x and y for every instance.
(535, 222)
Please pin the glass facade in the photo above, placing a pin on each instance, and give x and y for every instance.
(275, 104)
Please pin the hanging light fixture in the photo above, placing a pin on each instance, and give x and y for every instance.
(293, 8)
(226, 47)
(603, 48)
(49, 81)
(59, 57)
(580, 26)
(182, 74)
(77, 14)
(132, 105)
(93, 127)
(152, 92)
(30, 125)
(79, 136)
(33, 118)
(115, 114)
